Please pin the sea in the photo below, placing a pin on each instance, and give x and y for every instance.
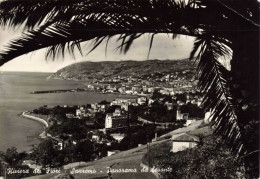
(15, 97)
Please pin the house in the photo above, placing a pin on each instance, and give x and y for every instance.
(181, 116)
(105, 141)
(111, 88)
(136, 88)
(120, 101)
(70, 115)
(129, 92)
(180, 103)
(117, 136)
(150, 101)
(124, 107)
(189, 122)
(103, 105)
(31, 164)
(183, 141)
(94, 106)
(97, 136)
(141, 100)
(150, 90)
(121, 89)
(199, 102)
(208, 117)
(80, 113)
(112, 152)
(169, 105)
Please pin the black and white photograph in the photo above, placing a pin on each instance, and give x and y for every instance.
(129, 89)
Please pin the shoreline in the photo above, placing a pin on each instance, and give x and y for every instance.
(42, 134)
(42, 121)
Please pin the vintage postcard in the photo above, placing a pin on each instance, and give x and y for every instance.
(129, 89)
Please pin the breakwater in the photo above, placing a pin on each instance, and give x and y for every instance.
(25, 114)
(61, 91)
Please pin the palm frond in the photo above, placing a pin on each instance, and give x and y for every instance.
(150, 46)
(214, 82)
(71, 23)
(119, 17)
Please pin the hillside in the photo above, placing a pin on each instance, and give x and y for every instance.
(89, 70)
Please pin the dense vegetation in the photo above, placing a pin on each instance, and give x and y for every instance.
(210, 159)
(11, 158)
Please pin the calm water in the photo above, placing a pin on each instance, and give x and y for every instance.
(15, 98)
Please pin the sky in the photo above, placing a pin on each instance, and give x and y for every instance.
(163, 48)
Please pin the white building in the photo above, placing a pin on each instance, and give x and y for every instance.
(189, 122)
(31, 164)
(115, 119)
(118, 136)
(169, 105)
(183, 141)
(208, 117)
(181, 116)
(141, 100)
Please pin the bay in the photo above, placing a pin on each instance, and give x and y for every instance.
(15, 97)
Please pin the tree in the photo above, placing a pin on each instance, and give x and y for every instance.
(45, 152)
(11, 156)
(213, 160)
(84, 150)
(13, 159)
(222, 28)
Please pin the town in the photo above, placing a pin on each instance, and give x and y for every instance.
(165, 82)
(92, 131)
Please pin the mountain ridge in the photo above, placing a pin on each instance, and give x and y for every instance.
(88, 69)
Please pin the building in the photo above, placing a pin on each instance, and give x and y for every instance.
(115, 119)
(183, 141)
(199, 102)
(150, 90)
(169, 106)
(150, 101)
(117, 136)
(94, 106)
(189, 122)
(141, 100)
(112, 152)
(120, 101)
(97, 136)
(181, 116)
(208, 117)
(70, 115)
(31, 164)
(80, 113)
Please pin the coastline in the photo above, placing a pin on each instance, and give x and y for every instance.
(42, 121)
(43, 134)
